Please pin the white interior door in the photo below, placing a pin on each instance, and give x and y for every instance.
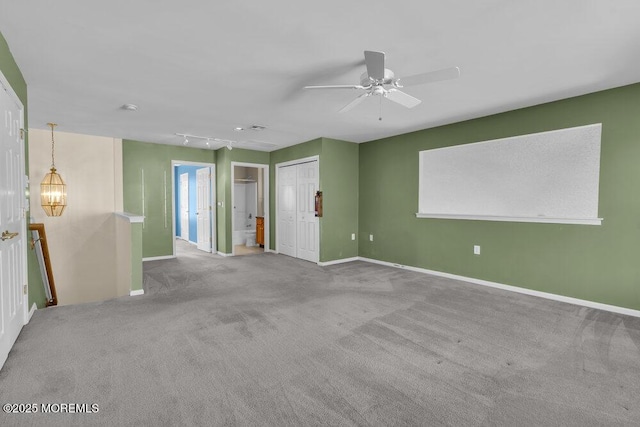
(12, 223)
(203, 192)
(307, 223)
(184, 206)
(287, 177)
(298, 228)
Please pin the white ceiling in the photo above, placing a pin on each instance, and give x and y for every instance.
(203, 67)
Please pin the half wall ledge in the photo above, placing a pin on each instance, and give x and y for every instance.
(129, 253)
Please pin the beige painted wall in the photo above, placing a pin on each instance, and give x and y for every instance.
(82, 242)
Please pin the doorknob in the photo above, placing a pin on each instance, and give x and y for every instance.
(6, 235)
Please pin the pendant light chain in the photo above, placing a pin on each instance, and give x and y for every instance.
(53, 162)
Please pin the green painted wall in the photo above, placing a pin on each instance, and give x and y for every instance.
(153, 161)
(136, 256)
(223, 179)
(595, 263)
(12, 73)
(339, 186)
(224, 187)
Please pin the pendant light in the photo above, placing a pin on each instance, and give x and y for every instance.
(53, 191)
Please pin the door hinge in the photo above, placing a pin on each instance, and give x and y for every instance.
(22, 134)
(24, 289)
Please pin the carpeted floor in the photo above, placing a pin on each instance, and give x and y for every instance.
(271, 340)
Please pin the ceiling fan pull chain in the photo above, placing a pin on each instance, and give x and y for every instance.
(380, 118)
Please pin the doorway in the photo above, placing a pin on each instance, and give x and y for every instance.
(250, 208)
(192, 200)
(297, 227)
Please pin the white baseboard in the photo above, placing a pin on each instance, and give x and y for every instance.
(223, 254)
(136, 292)
(34, 307)
(547, 295)
(158, 258)
(338, 261)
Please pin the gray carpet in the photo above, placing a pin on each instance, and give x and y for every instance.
(270, 340)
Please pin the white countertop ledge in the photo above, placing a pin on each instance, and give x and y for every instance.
(132, 218)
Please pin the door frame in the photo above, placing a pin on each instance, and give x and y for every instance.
(291, 163)
(212, 199)
(266, 200)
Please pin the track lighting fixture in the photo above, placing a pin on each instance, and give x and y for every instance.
(209, 140)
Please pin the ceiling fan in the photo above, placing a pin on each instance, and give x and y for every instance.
(380, 81)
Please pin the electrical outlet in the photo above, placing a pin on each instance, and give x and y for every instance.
(371, 237)
(476, 249)
(353, 236)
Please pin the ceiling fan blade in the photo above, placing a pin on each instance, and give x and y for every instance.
(336, 87)
(375, 64)
(402, 98)
(429, 77)
(353, 103)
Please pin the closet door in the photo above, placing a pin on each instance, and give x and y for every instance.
(307, 223)
(287, 210)
(297, 223)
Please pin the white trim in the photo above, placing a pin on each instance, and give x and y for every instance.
(132, 218)
(214, 212)
(13, 95)
(34, 307)
(338, 261)
(223, 254)
(136, 292)
(309, 159)
(298, 161)
(546, 295)
(265, 189)
(582, 221)
(158, 258)
(273, 251)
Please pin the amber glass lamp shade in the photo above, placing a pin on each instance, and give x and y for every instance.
(53, 194)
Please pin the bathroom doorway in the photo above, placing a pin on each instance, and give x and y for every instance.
(250, 208)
